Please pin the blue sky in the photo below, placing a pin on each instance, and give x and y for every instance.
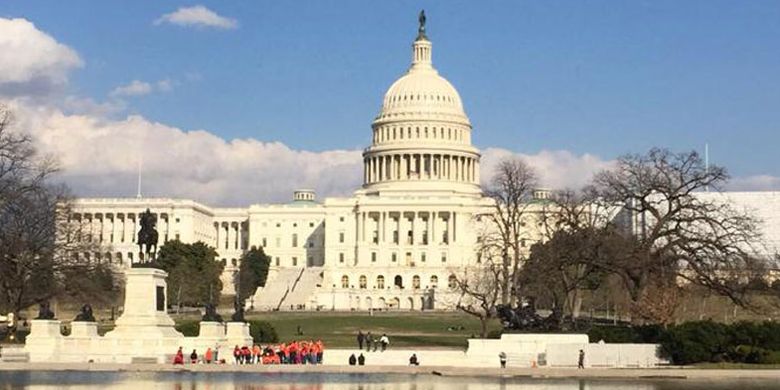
(597, 77)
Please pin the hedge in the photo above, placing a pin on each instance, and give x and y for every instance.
(261, 331)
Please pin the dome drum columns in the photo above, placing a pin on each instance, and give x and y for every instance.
(420, 166)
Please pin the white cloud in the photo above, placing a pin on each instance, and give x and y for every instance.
(198, 16)
(31, 61)
(134, 88)
(558, 169)
(140, 88)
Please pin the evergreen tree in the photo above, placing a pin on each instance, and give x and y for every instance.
(252, 273)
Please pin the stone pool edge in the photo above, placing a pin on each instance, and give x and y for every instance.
(541, 373)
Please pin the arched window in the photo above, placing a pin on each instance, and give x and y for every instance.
(398, 281)
(452, 282)
(380, 282)
(363, 281)
(415, 282)
(345, 281)
(434, 281)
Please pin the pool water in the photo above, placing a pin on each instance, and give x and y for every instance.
(40, 380)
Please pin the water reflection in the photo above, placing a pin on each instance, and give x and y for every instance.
(268, 381)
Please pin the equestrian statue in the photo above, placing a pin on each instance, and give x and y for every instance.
(147, 236)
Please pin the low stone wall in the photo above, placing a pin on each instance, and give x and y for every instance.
(397, 357)
(605, 355)
(46, 344)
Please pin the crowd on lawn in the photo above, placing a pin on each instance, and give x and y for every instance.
(296, 352)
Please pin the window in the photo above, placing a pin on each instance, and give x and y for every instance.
(341, 257)
(373, 257)
(522, 243)
(363, 281)
(398, 281)
(233, 262)
(395, 237)
(415, 282)
(434, 281)
(295, 225)
(444, 257)
(423, 257)
(345, 281)
(264, 242)
(278, 225)
(380, 282)
(375, 237)
(341, 219)
(295, 240)
(178, 237)
(311, 224)
(394, 257)
(452, 282)
(295, 261)
(277, 262)
(341, 237)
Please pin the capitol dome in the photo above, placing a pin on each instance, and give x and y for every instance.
(421, 136)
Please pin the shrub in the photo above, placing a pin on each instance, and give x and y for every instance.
(263, 332)
(698, 341)
(188, 328)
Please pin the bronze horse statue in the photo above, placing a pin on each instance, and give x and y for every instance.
(147, 236)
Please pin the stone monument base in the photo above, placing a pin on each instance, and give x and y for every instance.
(143, 333)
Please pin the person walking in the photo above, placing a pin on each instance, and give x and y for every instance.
(502, 359)
(384, 341)
(581, 360)
(360, 339)
(369, 341)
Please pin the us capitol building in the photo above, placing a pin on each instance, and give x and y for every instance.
(397, 243)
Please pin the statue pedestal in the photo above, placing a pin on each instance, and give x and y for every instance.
(43, 343)
(145, 314)
(83, 329)
(238, 334)
(144, 331)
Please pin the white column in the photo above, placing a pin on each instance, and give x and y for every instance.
(450, 229)
(216, 234)
(432, 234)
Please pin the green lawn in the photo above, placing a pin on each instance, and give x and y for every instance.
(339, 330)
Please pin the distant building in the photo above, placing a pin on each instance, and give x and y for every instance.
(395, 244)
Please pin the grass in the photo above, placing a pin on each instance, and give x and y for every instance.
(339, 330)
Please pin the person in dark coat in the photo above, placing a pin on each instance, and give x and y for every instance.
(369, 341)
(581, 360)
(413, 360)
(361, 360)
(352, 360)
(360, 339)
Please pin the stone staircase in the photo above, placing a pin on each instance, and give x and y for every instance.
(301, 294)
(276, 289)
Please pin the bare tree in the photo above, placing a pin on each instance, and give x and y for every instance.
(675, 232)
(478, 294)
(42, 253)
(511, 189)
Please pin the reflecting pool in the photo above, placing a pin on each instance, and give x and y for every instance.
(40, 380)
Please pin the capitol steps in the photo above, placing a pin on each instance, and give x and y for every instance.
(276, 289)
(302, 292)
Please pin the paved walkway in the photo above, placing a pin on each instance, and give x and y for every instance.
(648, 373)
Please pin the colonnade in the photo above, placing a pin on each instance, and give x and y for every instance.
(420, 166)
(230, 235)
(406, 227)
(114, 228)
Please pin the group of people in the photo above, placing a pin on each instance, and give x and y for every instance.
(371, 341)
(296, 352)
